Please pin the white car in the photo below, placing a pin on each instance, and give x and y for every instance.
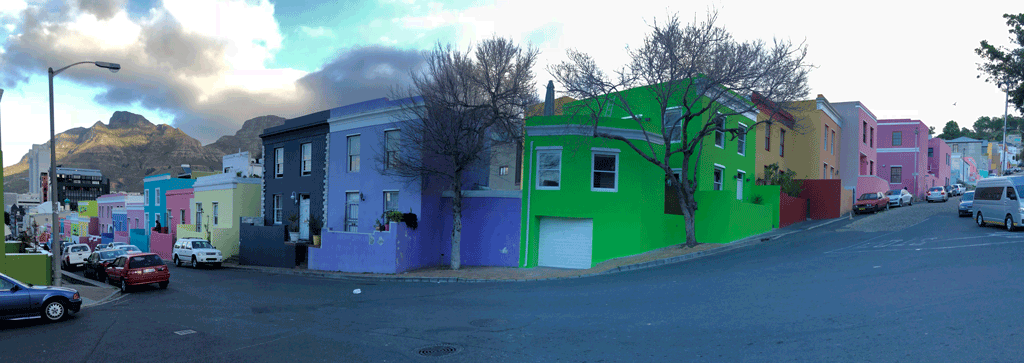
(937, 194)
(900, 197)
(195, 252)
(957, 189)
(75, 255)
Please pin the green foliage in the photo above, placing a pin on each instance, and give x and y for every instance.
(1004, 66)
(315, 226)
(785, 179)
(951, 131)
(294, 225)
(393, 216)
(757, 199)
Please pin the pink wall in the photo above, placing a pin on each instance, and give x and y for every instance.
(867, 146)
(871, 184)
(937, 164)
(135, 211)
(176, 201)
(161, 243)
(911, 154)
(106, 203)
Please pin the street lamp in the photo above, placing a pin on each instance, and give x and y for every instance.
(54, 204)
(1006, 112)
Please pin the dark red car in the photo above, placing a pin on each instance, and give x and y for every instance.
(871, 202)
(138, 269)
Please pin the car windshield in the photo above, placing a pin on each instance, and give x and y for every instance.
(869, 196)
(895, 192)
(129, 248)
(968, 196)
(145, 261)
(935, 189)
(110, 255)
(201, 244)
(79, 249)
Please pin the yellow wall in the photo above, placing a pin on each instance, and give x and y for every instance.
(813, 151)
(242, 201)
(767, 157)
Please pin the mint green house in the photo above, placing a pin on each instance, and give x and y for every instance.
(587, 200)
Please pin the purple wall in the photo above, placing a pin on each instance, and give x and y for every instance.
(393, 251)
(910, 154)
(176, 201)
(490, 230)
(938, 164)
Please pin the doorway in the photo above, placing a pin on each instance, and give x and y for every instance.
(304, 217)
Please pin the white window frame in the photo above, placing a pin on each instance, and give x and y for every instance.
(387, 148)
(348, 146)
(548, 150)
(719, 184)
(277, 209)
(901, 174)
(832, 143)
(594, 152)
(350, 220)
(216, 210)
(306, 150)
(741, 139)
(503, 170)
(719, 133)
(278, 162)
(679, 124)
(145, 193)
(384, 197)
(156, 198)
(824, 143)
(678, 172)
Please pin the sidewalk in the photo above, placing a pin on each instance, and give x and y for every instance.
(92, 292)
(662, 256)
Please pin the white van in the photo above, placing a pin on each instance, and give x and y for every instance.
(998, 201)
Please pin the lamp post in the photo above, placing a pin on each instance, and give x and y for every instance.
(54, 204)
(1006, 112)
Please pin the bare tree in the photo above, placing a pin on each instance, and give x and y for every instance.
(688, 66)
(470, 102)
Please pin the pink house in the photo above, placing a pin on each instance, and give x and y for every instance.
(178, 202)
(858, 163)
(903, 155)
(106, 205)
(136, 215)
(939, 162)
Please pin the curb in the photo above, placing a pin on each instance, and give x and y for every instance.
(85, 281)
(748, 241)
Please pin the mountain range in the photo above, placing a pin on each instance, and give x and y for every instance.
(129, 148)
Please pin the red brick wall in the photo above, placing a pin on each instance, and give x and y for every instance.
(824, 195)
(791, 210)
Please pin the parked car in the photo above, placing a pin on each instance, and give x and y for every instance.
(937, 194)
(195, 252)
(21, 300)
(96, 264)
(996, 201)
(74, 256)
(958, 189)
(101, 246)
(966, 206)
(871, 202)
(900, 197)
(129, 248)
(138, 269)
(115, 244)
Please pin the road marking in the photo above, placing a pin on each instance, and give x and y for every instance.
(889, 243)
(932, 248)
(185, 332)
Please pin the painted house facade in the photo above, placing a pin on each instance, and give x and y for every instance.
(218, 203)
(293, 183)
(940, 162)
(155, 196)
(179, 205)
(969, 159)
(587, 200)
(902, 154)
(107, 204)
(774, 139)
(860, 143)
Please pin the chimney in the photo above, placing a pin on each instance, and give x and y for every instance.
(549, 100)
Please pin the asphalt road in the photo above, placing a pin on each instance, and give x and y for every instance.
(941, 290)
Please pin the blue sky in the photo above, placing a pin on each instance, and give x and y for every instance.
(205, 66)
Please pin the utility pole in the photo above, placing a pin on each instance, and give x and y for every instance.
(1006, 112)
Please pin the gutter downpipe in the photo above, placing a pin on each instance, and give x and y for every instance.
(529, 192)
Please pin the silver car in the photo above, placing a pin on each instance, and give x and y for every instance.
(937, 194)
(900, 197)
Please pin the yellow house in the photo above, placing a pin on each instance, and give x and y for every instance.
(820, 129)
(775, 142)
(218, 203)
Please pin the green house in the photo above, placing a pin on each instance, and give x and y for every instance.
(587, 200)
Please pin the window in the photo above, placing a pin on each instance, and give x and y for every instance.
(503, 170)
(931, 152)
(182, 216)
(719, 174)
(351, 211)
(824, 143)
(782, 142)
(353, 153)
(719, 131)
(145, 195)
(604, 171)
(824, 171)
(767, 137)
(947, 162)
(277, 209)
(897, 138)
(170, 217)
(864, 131)
(390, 201)
(279, 162)
(307, 158)
(156, 198)
(549, 167)
(831, 172)
(199, 217)
(872, 139)
(832, 144)
(391, 139)
(674, 123)
(678, 174)
(216, 213)
(896, 174)
(741, 140)
(871, 167)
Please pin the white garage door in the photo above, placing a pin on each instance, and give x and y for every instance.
(565, 242)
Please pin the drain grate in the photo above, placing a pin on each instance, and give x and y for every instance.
(438, 350)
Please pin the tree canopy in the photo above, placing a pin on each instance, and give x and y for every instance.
(1004, 66)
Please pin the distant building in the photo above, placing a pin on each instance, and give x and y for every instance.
(80, 184)
(38, 163)
(242, 163)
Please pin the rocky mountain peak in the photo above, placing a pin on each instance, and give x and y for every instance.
(125, 120)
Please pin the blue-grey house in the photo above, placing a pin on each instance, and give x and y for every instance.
(294, 171)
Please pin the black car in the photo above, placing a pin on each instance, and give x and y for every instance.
(96, 264)
(21, 300)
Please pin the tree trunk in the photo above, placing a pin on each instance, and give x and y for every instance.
(457, 222)
(689, 211)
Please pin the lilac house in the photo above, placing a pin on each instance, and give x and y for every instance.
(859, 168)
(902, 154)
(940, 162)
(358, 195)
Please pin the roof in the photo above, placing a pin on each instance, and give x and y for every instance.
(76, 171)
(963, 139)
(301, 122)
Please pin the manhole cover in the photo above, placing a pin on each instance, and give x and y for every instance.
(488, 323)
(438, 350)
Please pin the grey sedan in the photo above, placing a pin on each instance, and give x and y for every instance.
(21, 300)
(900, 197)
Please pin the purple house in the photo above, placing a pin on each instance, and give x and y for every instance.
(859, 161)
(903, 156)
(939, 162)
(358, 195)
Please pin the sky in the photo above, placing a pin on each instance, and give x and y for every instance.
(206, 66)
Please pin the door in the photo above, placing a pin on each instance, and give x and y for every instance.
(565, 242)
(739, 185)
(1010, 204)
(304, 217)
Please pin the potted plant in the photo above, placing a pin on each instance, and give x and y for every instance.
(314, 229)
(293, 227)
(392, 216)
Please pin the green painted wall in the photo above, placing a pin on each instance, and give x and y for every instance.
(87, 208)
(632, 219)
(242, 201)
(770, 197)
(31, 268)
(12, 247)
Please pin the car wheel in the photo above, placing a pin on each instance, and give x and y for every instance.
(109, 281)
(1009, 223)
(124, 286)
(177, 262)
(87, 274)
(979, 220)
(163, 285)
(901, 203)
(54, 310)
(102, 277)
(194, 263)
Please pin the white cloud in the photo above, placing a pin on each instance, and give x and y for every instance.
(387, 40)
(318, 32)
(12, 7)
